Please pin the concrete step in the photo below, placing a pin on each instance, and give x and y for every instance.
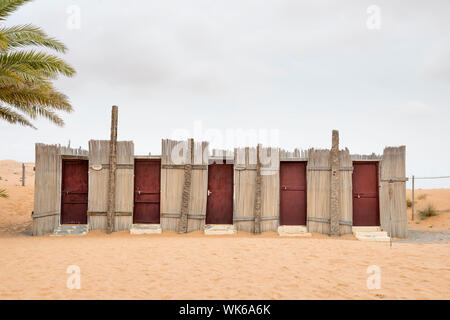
(372, 238)
(71, 230)
(293, 231)
(146, 229)
(372, 234)
(365, 229)
(219, 229)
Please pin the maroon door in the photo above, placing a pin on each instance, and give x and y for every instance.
(365, 194)
(219, 208)
(74, 191)
(147, 177)
(292, 193)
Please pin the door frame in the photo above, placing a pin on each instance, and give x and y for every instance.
(152, 159)
(306, 189)
(61, 159)
(377, 164)
(233, 198)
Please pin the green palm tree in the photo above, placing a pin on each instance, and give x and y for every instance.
(26, 89)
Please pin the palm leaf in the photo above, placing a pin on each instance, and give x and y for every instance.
(29, 35)
(14, 117)
(9, 6)
(37, 61)
(25, 75)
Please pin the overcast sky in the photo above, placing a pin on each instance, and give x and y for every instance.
(293, 69)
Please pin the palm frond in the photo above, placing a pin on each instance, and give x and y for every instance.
(37, 61)
(14, 117)
(29, 35)
(26, 75)
(14, 96)
(9, 6)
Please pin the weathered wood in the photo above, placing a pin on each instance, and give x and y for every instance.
(345, 196)
(112, 172)
(47, 185)
(23, 174)
(257, 207)
(99, 177)
(334, 185)
(174, 156)
(318, 191)
(199, 187)
(296, 155)
(393, 192)
(270, 189)
(244, 188)
(183, 222)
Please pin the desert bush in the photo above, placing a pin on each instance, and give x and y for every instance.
(428, 211)
(422, 196)
(408, 203)
(3, 193)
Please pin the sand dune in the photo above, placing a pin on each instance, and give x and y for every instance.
(194, 266)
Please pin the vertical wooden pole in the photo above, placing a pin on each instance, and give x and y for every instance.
(186, 197)
(112, 172)
(257, 208)
(335, 185)
(412, 197)
(23, 174)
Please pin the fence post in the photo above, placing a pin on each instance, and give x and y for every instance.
(23, 174)
(110, 215)
(412, 197)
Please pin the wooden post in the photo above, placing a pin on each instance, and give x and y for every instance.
(335, 185)
(23, 174)
(412, 199)
(257, 208)
(183, 222)
(112, 172)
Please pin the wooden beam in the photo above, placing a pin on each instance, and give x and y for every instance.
(112, 172)
(257, 208)
(23, 174)
(183, 222)
(335, 185)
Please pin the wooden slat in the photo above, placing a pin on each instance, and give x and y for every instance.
(244, 188)
(199, 187)
(174, 156)
(393, 194)
(318, 192)
(346, 198)
(270, 189)
(98, 183)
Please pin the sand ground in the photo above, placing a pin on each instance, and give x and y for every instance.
(194, 266)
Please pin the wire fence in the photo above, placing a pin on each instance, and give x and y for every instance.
(413, 178)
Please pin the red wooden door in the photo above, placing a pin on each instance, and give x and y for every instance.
(74, 191)
(219, 208)
(147, 182)
(292, 193)
(365, 194)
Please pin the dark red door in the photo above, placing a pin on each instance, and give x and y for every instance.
(365, 194)
(147, 177)
(74, 191)
(292, 193)
(219, 208)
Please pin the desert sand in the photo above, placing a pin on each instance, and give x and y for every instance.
(195, 266)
